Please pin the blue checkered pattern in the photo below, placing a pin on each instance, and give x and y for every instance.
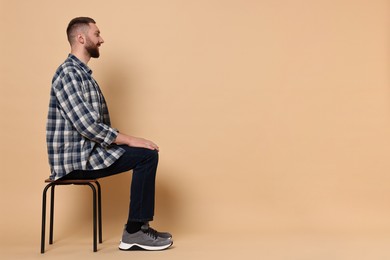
(78, 131)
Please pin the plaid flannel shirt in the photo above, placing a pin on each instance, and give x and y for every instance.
(78, 131)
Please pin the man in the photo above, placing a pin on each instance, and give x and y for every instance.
(83, 145)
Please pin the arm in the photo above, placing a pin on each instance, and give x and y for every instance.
(87, 121)
(80, 113)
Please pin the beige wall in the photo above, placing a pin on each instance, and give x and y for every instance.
(270, 115)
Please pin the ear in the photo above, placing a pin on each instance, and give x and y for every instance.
(80, 38)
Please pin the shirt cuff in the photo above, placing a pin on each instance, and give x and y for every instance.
(110, 137)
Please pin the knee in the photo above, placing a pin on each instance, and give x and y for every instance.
(152, 155)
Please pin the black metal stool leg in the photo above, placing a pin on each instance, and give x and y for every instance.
(43, 230)
(94, 217)
(99, 211)
(51, 214)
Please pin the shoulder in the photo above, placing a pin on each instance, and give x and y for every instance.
(68, 68)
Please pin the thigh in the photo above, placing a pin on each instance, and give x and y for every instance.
(128, 161)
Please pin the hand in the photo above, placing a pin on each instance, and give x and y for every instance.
(140, 142)
(135, 142)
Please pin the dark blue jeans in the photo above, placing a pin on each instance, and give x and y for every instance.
(143, 162)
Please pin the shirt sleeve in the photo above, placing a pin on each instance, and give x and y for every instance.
(106, 115)
(80, 113)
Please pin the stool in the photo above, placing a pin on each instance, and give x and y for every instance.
(97, 214)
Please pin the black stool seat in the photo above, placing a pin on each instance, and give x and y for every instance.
(97, 208)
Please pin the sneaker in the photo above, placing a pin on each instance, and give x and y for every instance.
(146, 239)
(160, 234)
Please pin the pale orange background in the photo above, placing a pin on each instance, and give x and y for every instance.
(272, 117)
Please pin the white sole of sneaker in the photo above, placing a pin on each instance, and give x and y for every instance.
(125, 246)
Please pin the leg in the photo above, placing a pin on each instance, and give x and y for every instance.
(142, 209)
(44, 217)
(142, 194)
(94, 217)
(51, 214)
(99, 211)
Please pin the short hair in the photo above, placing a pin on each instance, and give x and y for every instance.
(75, 24)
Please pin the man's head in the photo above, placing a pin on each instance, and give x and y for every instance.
(82, 32)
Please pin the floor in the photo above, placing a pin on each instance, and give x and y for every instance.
(256, 245)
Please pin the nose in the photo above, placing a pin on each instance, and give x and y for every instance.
(101, 40)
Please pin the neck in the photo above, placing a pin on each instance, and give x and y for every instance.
(81, 55)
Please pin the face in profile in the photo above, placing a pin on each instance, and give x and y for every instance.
(93, 41)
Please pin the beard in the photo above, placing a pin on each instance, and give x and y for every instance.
(92, 49)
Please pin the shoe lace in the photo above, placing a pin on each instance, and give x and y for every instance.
(151, 232)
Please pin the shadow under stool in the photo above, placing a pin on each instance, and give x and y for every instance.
(97, 208)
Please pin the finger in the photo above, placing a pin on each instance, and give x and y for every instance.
(155, 147)
(151, 146)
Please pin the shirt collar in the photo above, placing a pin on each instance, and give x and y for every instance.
(80, 63)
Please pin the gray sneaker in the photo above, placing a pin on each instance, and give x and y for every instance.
(146, 239)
